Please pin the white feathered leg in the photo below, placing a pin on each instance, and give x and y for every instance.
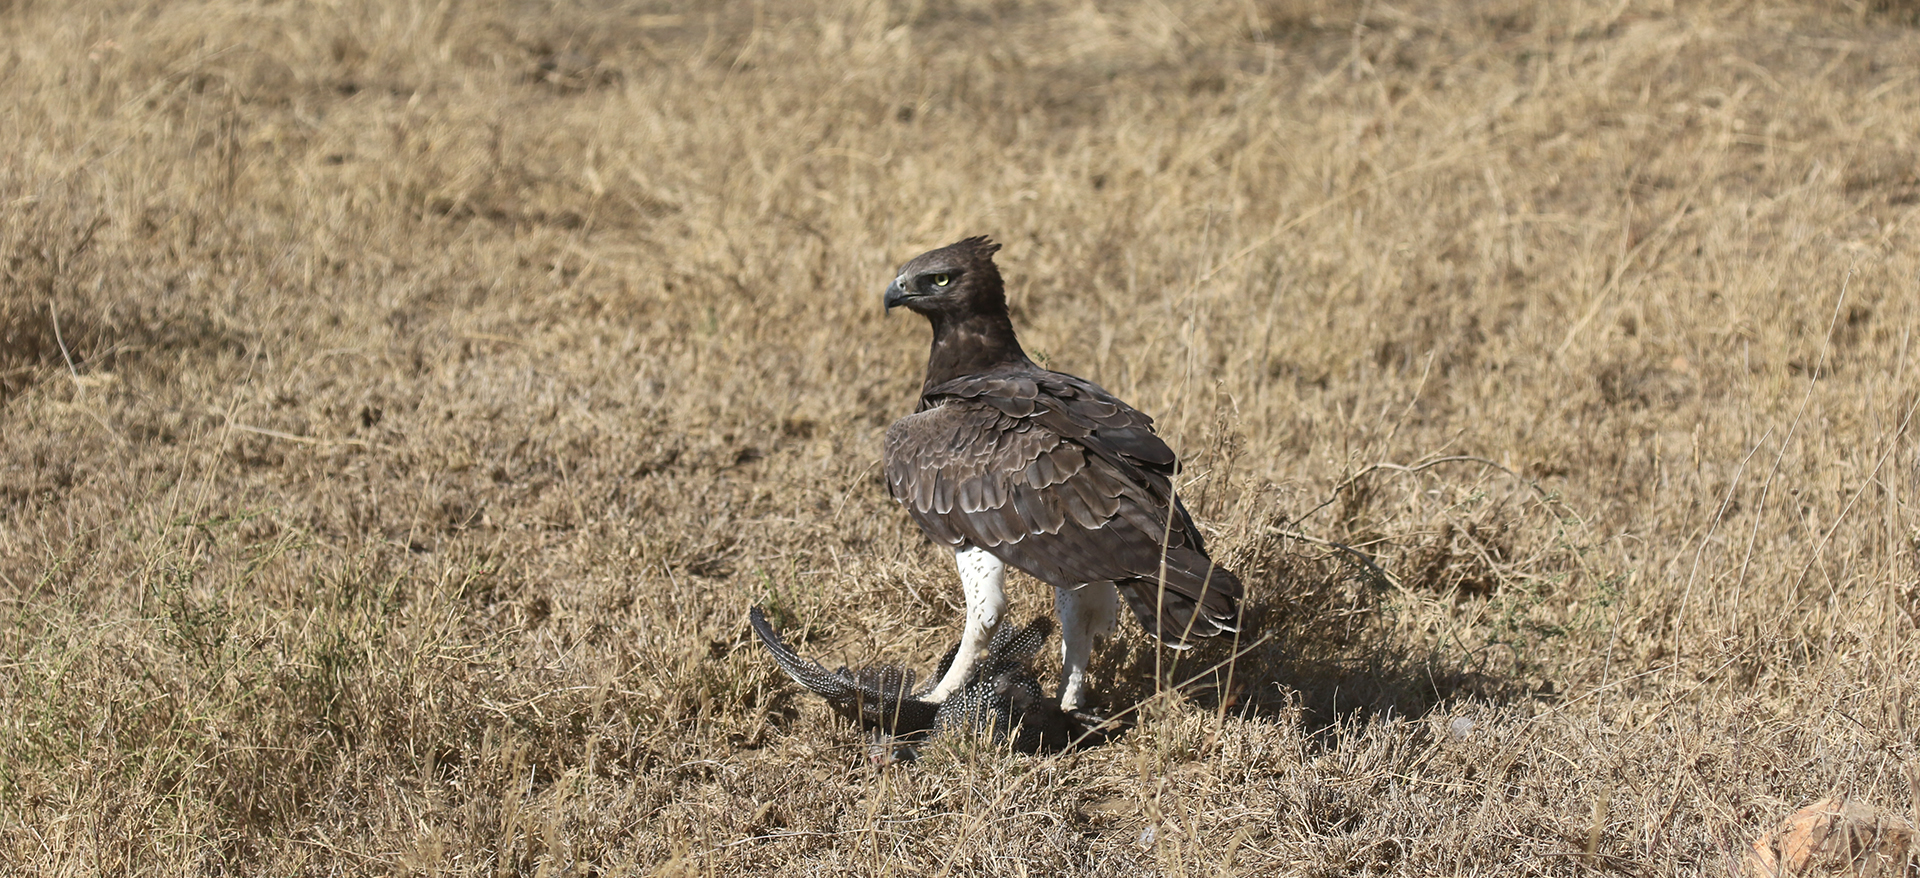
(983, 577)
(1092, 610)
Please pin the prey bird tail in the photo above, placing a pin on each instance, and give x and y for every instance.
(880, 698)
(1002, 699)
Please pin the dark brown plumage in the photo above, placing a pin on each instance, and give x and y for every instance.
(1046, 471)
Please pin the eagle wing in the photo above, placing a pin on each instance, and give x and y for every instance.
(1057, 477)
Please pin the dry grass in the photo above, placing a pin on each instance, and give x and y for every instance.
(403, 402)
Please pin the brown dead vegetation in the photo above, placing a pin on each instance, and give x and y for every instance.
(402, 403)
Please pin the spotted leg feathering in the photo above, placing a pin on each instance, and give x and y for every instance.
(1087, 612)
(983, 578)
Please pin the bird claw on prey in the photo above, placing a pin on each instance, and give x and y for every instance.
(1092, 728)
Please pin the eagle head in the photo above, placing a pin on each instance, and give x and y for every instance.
(955, 279)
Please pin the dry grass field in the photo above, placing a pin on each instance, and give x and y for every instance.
(401, 404)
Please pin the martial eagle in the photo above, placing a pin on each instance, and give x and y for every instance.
(1009, 463)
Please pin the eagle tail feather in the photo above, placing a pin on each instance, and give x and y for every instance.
(1192, 605)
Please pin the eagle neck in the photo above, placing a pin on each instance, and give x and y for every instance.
(971, 344)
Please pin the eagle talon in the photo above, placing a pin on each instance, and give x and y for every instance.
(1086, 727)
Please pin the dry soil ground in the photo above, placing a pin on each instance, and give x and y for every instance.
(402, 403)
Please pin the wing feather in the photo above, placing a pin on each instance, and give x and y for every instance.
(970, 493)
(1037, 509)
(1060, 479)
(1039, 473)
(1078, 509)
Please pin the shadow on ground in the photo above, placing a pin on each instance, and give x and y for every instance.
(1320, 640)
(1323, 643)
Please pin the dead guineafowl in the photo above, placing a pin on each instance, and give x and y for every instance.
(1000, 699)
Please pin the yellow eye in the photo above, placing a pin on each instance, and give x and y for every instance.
(941, 280)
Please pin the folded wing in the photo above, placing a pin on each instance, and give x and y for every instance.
(1055, 476)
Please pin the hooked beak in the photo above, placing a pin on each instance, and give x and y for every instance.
(895, 295)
